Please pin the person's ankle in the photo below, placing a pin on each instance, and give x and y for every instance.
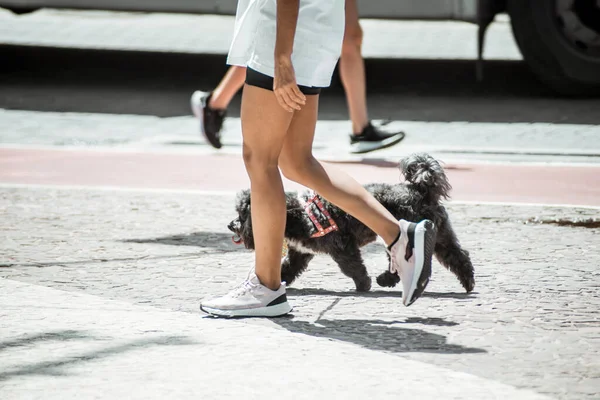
(392, 238)
(216, 104)
(357, 129)
(272, 284)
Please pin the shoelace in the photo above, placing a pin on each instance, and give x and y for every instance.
(242, 289)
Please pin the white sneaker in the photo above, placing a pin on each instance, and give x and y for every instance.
(411, 258)
(249, 299)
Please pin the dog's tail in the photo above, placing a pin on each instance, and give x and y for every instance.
(426, 175)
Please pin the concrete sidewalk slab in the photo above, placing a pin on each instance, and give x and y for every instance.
(61, 345)
(532, 321)
(451, 140)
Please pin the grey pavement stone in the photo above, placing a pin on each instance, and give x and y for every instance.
(532, 322)
(211, 34)
(447, 140)
(80, 346)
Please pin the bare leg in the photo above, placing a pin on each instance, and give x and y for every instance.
(264, 127)
(227, 88)
(298, 164)
(352, 69)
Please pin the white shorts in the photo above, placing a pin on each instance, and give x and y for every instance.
(317, 43)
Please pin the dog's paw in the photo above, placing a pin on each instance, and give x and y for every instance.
(288, 279)
(364, 285)
(468, 283)
(387, 279)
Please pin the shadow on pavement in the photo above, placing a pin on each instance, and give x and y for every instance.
(43, 264)
(378, 335)
(56, 367)
(198, 239)
(42, 337)
(375, 293)
(145, 83)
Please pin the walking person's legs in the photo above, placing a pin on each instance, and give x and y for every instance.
(365, 137)
(211, 107)
(352, 69)
(410, 245)
(264, 127)
(298, 164)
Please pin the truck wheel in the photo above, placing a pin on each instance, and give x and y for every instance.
(560, 42)
(21, 10)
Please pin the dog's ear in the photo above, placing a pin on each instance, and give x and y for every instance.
(242, 204)
(246, 229)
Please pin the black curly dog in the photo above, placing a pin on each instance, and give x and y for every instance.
(414, 200)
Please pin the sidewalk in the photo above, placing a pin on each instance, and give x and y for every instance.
(448, 141)
(532, 322)
(80, 346)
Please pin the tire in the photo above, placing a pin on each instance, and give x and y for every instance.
(21, 10)
(552, 57)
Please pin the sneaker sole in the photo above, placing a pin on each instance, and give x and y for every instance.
(424, 239)
(369, 147)
(277, 310)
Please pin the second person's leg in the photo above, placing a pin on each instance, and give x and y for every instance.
(211, 107)
(352, 69)
(227, 88)
(365, 137)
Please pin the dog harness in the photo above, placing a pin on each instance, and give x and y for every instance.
(316, 201)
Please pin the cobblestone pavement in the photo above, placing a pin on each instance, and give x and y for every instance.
(145, 353)
(532, 322)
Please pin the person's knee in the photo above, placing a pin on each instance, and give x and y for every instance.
(257, 162)
(297, 168)
(353, 38)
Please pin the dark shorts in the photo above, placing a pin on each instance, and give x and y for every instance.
(255, 78)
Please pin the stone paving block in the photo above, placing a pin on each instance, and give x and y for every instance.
(82, 346)
(532, 321)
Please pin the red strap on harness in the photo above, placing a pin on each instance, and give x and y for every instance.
(320, 230)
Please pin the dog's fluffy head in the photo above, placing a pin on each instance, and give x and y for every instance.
(426, 175)
(242, 225)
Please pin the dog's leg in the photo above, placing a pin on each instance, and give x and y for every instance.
(387, 278)
(351, 263)
(452, 256)
(293, 265)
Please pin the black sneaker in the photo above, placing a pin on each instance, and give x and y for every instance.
(211, 120)
(372, 138)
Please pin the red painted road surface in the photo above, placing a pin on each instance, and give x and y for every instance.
(471, 182)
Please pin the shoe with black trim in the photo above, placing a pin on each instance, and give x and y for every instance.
(410, 257)
(249, 299)
(211, 119)
(372, 138)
